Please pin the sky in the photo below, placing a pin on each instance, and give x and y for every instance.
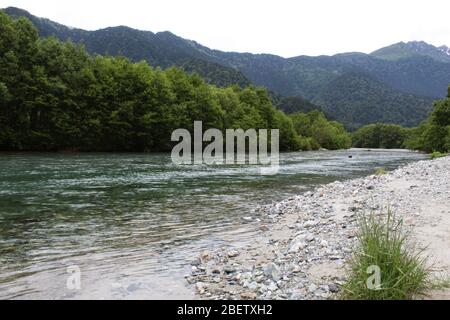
(283, 27)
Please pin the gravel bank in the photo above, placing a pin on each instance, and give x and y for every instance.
(305, 241)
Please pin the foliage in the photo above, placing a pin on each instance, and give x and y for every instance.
(380, 171)
(322, 133)
(434, 133)
(215, 73)
(437, 154)
(354, 88)
(357, 99)
(384, 136)
(55, 96)
(383, 243)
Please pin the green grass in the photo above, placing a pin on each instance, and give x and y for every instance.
(437, 154)
(380, 171)
(384, 243)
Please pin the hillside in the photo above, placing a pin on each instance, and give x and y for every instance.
(411, 49)
(400, 81)
(162, 49)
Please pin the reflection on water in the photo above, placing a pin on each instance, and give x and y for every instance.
(132, 222)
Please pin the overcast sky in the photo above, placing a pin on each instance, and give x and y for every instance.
(283, 27)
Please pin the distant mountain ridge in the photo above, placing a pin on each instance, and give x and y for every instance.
(404, 50)
(402, 79)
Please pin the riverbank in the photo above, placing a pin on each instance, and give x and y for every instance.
(305, 241)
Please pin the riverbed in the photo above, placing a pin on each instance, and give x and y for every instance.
(132, 223)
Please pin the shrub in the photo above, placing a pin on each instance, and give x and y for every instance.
(383, 246)
(437, 154)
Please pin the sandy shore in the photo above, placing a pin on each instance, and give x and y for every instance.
(305, 241)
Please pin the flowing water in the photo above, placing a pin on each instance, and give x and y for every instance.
(132, 223)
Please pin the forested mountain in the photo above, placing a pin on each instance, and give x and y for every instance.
(55, 96)
(394, 84)
(162, 49)
(358, 98)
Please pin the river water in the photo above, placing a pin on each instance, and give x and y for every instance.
(131, 223)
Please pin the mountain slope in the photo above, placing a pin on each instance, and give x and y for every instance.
(162, 49)
(422, 76)
(411, 49)
(358, 98)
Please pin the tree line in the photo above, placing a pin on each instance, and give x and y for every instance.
(55, 96)
(432, 135)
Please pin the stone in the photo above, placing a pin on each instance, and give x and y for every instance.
(206, 256)
(196, 262)
(312, 288)
(233, 253)
(248, 295)
(200, 287)
(332, 287)
(272, 271)
(297, 244)
(229, 269)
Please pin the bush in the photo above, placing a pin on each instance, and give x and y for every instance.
(437, 154)
(323, 133)
(380, 135)
(383, 246)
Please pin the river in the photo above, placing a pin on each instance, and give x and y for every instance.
(131, 223)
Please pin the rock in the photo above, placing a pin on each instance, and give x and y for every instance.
(196, 262)
(310, 224)
(272, 286)
(229, 269)
(312, 288)
(253, 286)
(296, 296)
(296, 269)
(324, 244)
(297, 244)
(200, 287)
(233, 253)
(215, 271)
(333, 288)
(206, 256)
(248, 295)
(272, 271)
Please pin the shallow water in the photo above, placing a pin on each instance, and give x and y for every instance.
(132, 222)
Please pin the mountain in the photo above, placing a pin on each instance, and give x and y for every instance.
(411, 49)
(162, 49)
(381, 86)
(371, 99)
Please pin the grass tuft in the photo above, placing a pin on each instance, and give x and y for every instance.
(380, 171)
(437, 154)
(384, 251)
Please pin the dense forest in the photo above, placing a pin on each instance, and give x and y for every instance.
(396, 84)
(381, 135)
(55, 96)
(432, 135)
